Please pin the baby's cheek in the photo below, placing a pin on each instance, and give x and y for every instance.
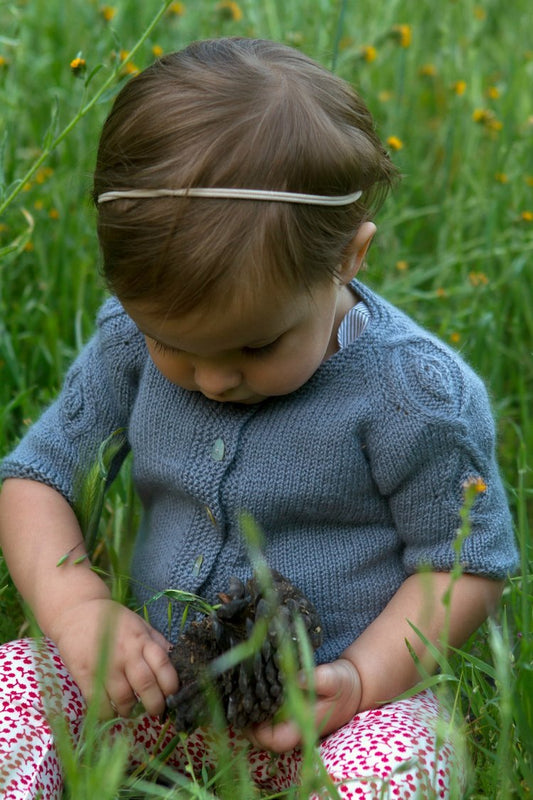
(177, 371)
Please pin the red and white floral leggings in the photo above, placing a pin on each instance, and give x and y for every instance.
(391, 753)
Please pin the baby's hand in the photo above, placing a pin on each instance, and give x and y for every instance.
(338, 694)
(138, 667)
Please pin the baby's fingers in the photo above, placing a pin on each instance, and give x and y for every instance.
(279, 738)
(157, 659)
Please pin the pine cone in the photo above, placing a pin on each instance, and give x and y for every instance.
(251, 691)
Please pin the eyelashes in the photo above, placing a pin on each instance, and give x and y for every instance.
(249, 352)
(164, 349)
(260, 352)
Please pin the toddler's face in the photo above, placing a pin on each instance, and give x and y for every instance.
(266, 347)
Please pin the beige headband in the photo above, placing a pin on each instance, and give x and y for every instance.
(235, 194)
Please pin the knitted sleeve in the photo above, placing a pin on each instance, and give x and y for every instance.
(95, 401)
(435, 433)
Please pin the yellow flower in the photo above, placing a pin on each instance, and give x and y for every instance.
(78, 66)
(441, 293)
(385, 95)
(53, 213)
(481, 115)
(43, 173)
(493, 92)
(230, 10)
(455, 337)
(527, 216)
(403, 34)
(394, 143)
(369, 53)
(479, 13)
(478, 278)
(529, 180)
(428, 70)
(38, 205)
(501, 177)
(28, 247)
(459, 87)
(402, 266)
(108, 12)
(130, 68)
(3, 61)
(157, 50)
(177, 8)
(486, 117)
(476, 483)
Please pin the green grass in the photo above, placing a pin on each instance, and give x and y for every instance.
(454, 249)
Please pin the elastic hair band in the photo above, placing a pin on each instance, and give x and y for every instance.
(237, 194)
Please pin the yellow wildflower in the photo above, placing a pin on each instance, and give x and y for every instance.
(481, 115)
(402, 266)
(479, 13)
(529, 180)
(385, 95)
(78, 66)
(476, 483)
(3, 61)
(130, 68)
(28, 247)
(107, 13)
(403, 34)
(43, 173)
(501, 177)
(53, 213)
(478, 278)
(486, 117)
(527, 216)
(369, 53)
(177, 8)
(230, 10)
(455, 337)
(394, 143)
(459, 87)
(441, 293)
(157, 50)
(428, 70)
(38, 205)
(493, 92)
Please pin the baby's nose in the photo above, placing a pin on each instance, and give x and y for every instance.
(215, 381)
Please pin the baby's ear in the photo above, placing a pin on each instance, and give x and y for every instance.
(356, 251)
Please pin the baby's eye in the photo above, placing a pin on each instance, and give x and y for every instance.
(262, 351)
(162, 348)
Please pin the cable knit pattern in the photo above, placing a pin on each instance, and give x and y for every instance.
(355, 479)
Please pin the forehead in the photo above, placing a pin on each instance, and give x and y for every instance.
(230, 324)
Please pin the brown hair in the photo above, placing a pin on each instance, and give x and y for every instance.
(233, 113)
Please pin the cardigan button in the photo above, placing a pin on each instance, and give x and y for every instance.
(218, 449)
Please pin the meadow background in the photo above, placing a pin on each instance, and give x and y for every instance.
(450, 86)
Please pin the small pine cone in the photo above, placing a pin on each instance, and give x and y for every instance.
(251, 691)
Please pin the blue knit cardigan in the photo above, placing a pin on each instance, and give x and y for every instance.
(356, 479)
